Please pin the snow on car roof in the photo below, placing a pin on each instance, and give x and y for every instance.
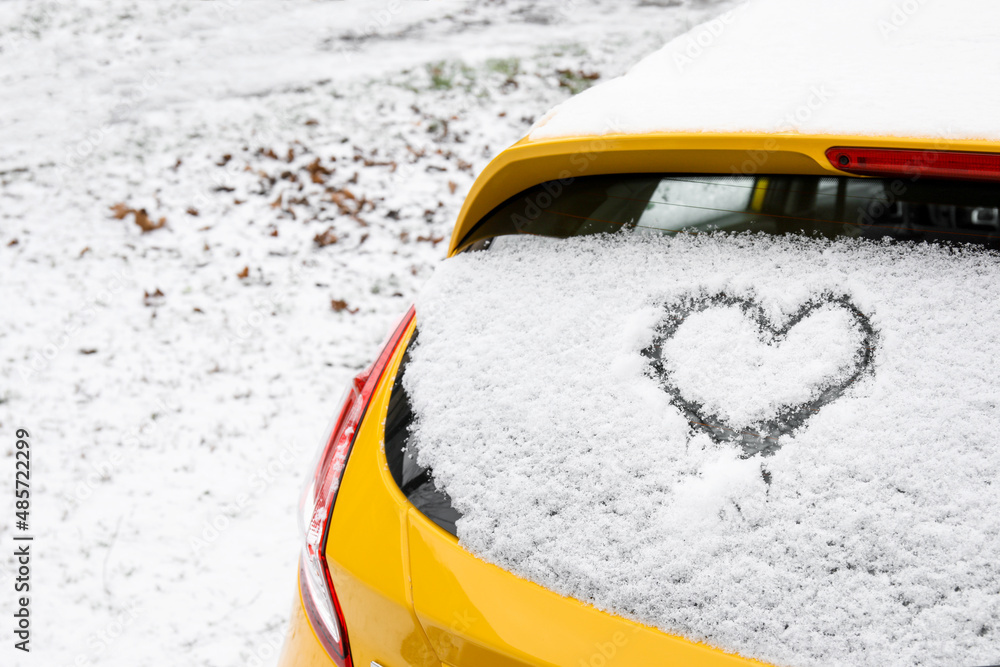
(869, 537)
(905, 68)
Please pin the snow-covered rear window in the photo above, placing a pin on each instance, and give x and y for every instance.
(782, 445)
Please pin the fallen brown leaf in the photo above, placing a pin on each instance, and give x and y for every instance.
(145, 224)
(245, 273)
(153, 299)
(317, 171)
(340, 198)
(339, 305)
(326, 238)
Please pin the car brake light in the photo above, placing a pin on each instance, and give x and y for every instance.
(318, 596)
(902, 162)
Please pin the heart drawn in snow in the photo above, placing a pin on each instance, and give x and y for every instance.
(741, 378)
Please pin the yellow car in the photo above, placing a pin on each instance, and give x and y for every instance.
(383, 579)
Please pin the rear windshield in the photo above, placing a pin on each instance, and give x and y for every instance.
(908, 208)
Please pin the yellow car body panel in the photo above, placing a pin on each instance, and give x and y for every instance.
(411, 595)
(478, 615)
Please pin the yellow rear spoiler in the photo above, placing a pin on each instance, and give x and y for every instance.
(529, 163)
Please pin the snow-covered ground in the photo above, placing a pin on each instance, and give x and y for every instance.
(307, 160)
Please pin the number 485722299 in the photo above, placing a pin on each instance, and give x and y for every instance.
(22, 479)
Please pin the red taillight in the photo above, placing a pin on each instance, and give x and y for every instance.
(318, 596)
(913, 163)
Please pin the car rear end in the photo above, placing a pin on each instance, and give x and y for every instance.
(383, 579)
